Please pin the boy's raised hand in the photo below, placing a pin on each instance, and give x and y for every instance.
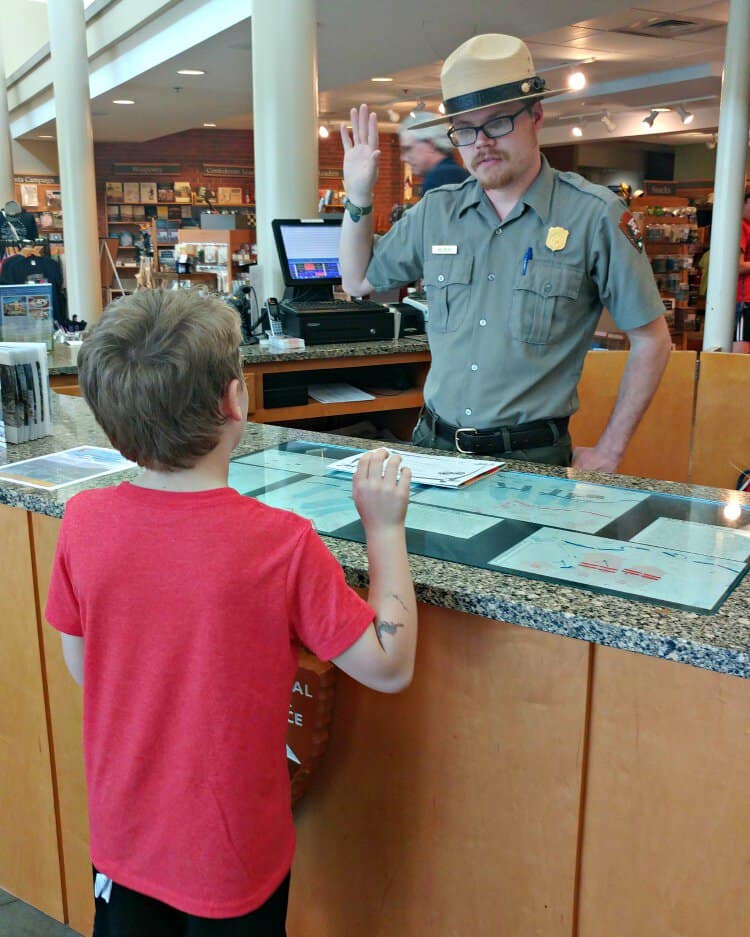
(381, 497)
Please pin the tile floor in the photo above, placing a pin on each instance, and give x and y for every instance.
(20, 920)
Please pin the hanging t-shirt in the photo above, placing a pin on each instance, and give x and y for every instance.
(192, 606)
(12, 228)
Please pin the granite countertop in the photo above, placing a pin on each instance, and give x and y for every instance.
(60, 361)
(719, 642)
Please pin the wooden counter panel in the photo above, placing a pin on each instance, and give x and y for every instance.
(721, 447)
(66, 712)
(29, 857)
(667, 827)
(660, 447)
(451, 808)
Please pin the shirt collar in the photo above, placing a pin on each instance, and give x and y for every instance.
(538, 195)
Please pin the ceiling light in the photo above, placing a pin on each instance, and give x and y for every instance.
(687, 117)
(393, 116)
(608, 122)
(712, 141)
(577, 80)
(576, 130)
(383, 78)
(190, 71)
(649, 121)
(45, 136)
(209, 125)
(323, 132)
(441, 107)
(123, 101)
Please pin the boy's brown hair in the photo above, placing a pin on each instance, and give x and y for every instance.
(153, 372)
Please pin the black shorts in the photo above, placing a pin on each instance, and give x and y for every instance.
(131, 914)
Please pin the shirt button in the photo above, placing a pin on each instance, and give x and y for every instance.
(498, 230)
(483, 322)
(467, 412)
(491, 276)
(475, 367)
(547, 287)
(441, 278)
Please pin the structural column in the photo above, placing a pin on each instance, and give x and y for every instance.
(7, 188)
(285, 111)
(731, 159)
(75, 146)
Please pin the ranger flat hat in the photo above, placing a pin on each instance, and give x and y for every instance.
(486, 70)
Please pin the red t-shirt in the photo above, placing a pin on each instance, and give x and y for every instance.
(743, 281)
(192, 607)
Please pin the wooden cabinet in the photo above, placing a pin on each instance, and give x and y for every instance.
(221, 252)
(397, 408)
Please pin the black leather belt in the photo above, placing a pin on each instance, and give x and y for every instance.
(501, 439)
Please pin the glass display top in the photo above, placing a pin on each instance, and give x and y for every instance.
(686, 553)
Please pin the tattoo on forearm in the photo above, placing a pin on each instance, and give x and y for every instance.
(398, 599)
(386, 627)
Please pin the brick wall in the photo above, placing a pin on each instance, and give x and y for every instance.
(192, 148)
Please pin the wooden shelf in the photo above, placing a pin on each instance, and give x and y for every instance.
(314, 409)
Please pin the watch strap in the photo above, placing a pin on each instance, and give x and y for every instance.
(356, 211)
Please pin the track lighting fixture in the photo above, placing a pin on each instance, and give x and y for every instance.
(649, 121)
(687, 117)
(608, 122)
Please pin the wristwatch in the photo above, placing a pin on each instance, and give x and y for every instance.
(355, 212)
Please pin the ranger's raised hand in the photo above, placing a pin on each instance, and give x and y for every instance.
(361, 156)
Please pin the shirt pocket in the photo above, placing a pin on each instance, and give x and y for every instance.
(447, 282)
(546, 292)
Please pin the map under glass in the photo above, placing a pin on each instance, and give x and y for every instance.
(680, 552)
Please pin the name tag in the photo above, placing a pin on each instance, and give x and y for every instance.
(445, 248)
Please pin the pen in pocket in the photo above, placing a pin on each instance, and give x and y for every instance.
(526, 258)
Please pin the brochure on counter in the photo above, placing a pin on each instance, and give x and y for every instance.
(440, 471)
(69, 467)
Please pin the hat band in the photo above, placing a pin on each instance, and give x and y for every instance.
(495, 95)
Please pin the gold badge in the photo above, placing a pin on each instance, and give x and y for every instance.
(557, 238)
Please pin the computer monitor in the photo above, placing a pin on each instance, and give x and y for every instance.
(308, 253)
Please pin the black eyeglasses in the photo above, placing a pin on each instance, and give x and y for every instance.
(494, 128)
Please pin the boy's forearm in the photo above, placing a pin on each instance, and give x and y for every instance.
(391, 595)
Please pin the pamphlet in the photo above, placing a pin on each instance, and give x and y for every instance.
(337, 393)
(69, 467)
(441, 471)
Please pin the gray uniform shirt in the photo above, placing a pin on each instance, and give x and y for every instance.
(508, 339)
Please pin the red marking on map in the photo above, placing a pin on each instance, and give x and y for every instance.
(643, 573)
(598, 566)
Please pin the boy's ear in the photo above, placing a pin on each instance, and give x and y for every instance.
(231, 404)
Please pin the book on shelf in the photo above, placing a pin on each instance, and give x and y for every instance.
(24, 392)
(183, 192)
(165, 191)
(114, 192)
(126, 212)
(148, 193)
(131, 192)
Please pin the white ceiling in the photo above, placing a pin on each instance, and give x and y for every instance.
(359, 40)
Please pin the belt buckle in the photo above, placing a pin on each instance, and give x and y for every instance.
(463, 429)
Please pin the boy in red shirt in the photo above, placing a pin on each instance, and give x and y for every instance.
(182, 605)
(743, 280)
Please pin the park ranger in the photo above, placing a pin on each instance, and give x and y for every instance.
(517, 262)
